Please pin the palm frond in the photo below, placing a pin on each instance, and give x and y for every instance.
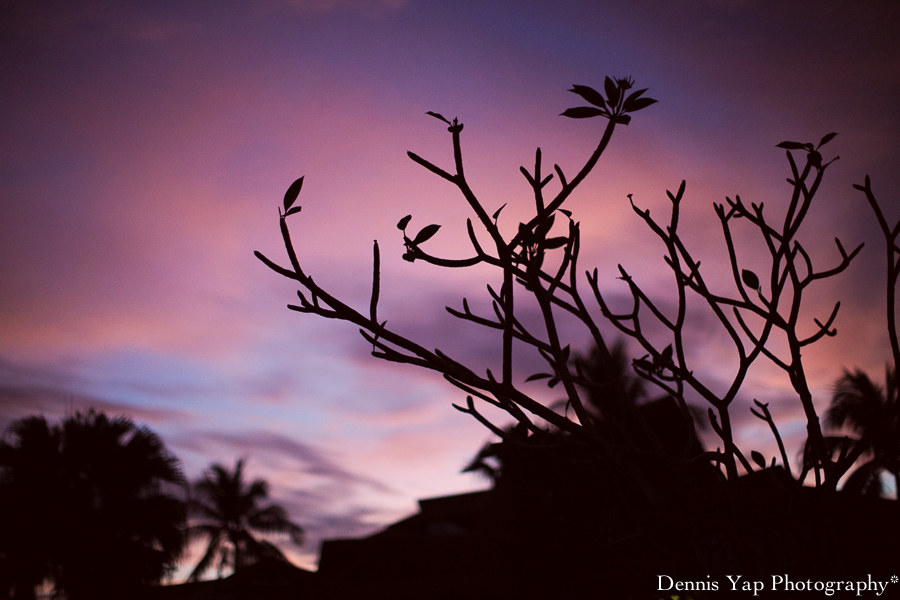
(866, 479)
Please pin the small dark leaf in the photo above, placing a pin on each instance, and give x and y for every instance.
(667, 354)
(552, 383)
(537, 376)
(401, 225)
(439, 116)
(544, 227)
(589, 94)
(791, 146)
(582, 112)
(497, 212)
(638, 104)
(750, 279)
(409, 257)
(612, 91)
(758, 458)
(634, 96)
(643, 364)
(827, 139)
(525, 233)
(623, 119)
(426, 234)
(292, 211)
(557, 242)
(290, 196)
(568, 213)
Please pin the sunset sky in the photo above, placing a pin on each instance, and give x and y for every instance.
(145, 148)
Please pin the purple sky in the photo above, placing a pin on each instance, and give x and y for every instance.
(144, 149)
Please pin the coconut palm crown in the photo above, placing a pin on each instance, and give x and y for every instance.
(873, 413)
(88, 506)
(228, 513)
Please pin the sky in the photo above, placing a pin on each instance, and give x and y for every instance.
(145, 149)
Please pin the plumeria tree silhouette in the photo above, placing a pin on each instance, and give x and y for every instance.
(230, 515)
(538, 264)
(660, 497)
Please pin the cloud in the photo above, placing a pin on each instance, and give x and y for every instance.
(277, 450)
(26, 391)
(326, 499)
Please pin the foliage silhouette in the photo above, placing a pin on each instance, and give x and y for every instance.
(873, 413)
(619, 406)
(230, 511)
(85, 507)
(661, 497)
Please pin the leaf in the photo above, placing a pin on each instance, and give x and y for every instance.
(638, 104)
(758, 458)
(589, 94)
(401, 225)
(426, 234)
(634, 96)
(497, 212)
(612, 91)
(643, 363)
(290, 196)
(623, 119)
(292, 211)
(439, 116)
(557, 242)
(667, 354)
(537, 376)
(544, 227)
(750, 279)
(582, 112)
(826, 139)
(791, 146)
(525, 233)
(568, 213)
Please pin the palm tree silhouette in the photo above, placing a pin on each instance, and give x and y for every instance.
(85, 506)
(29, 486)
(230, 511)
(873, 413)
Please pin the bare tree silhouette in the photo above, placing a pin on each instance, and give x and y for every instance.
(539, 263)
(652, 493)
(230, 511)
(85, 506)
